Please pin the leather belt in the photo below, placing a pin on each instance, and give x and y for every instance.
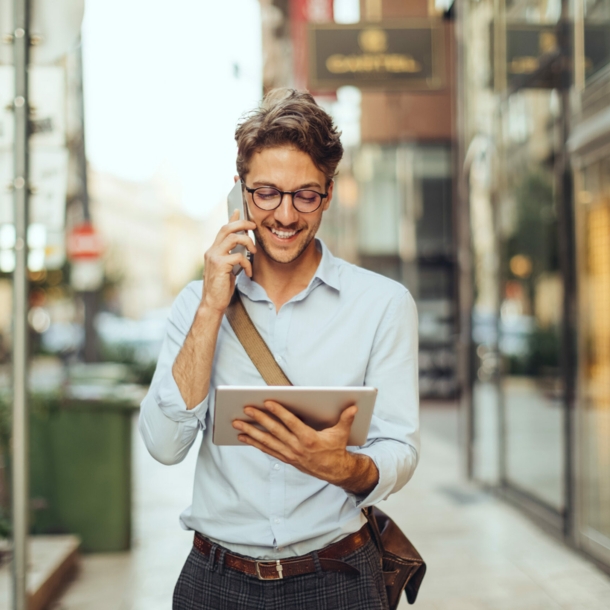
(330, 558)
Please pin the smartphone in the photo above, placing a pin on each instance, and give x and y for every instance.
(235, 201)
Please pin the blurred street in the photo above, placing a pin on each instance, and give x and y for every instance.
(481, 553)
(474, 170)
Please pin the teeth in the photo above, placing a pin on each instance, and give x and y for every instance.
(283, 234)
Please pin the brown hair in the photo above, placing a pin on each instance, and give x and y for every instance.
(289, 117)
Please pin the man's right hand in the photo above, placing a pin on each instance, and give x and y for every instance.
(218, 279)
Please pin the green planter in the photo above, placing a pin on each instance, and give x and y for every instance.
(80, 469)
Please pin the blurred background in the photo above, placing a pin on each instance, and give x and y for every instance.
(476, 173)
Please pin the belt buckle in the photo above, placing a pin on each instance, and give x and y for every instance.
(278, 567)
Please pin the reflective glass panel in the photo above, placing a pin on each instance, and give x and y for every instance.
(594, 317)
(531, 301)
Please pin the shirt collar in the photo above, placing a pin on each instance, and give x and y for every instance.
(327, 273)
(328, 269)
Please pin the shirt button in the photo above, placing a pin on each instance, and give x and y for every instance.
(278, 358)
(276, 466)
(276, 520)
(270, 305)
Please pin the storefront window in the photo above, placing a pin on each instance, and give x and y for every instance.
(531, 298)
(594, 377)
(406, 233)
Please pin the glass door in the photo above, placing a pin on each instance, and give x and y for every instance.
(593, 216)
(531, 310)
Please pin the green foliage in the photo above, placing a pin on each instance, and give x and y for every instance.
(542, 356)
(536, 231)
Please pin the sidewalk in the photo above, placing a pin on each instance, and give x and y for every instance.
(481, 553)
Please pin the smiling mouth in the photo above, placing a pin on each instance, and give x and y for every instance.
(283, 234)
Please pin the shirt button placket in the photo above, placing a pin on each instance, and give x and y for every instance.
(276, 511)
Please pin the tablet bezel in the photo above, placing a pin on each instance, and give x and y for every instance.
(320, 407)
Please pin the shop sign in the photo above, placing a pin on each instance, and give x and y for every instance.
(530, 50)
(384, 55)
(535, 57)
(597, 46)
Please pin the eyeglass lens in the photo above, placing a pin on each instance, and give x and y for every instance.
(270, 198)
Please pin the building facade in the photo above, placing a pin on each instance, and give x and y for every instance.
(393, 211)
(534, 235)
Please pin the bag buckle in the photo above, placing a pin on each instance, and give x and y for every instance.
(269, 564)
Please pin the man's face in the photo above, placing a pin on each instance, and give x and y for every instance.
(285, 233)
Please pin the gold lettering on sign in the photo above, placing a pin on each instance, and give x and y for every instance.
(523, 65)
(547, 42)
(373, 40)
(391, 62)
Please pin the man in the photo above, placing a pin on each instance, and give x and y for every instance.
(278, 522)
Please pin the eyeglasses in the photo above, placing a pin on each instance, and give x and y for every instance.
(269, 198)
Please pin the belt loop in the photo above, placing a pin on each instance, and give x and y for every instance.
(316, 561)
(221, 560)
(212, 560)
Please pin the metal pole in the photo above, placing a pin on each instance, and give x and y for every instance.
(20, 495)
(90, 297)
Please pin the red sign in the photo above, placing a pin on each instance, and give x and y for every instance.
(84, 243)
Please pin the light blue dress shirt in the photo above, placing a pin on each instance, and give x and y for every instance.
(349, 327)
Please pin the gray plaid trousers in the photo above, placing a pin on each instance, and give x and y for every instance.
(202, 586)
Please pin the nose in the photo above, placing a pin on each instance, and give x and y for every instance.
(285, 213)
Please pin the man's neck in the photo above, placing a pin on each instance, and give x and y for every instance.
(282, 281)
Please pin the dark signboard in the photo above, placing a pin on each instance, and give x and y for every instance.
(532, 50)
(536, 60)
(597, 47)
(384, 55)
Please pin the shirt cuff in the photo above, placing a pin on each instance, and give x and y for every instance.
(386, 466)
(172, 404)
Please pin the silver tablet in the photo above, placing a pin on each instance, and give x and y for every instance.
(318, 407)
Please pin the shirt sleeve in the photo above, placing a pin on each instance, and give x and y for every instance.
(167, 427)
(393, 439)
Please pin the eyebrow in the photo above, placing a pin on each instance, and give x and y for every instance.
(303, 186)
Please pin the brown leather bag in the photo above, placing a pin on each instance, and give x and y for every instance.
(403, 567)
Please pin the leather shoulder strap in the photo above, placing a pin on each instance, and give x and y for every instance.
(253, 343)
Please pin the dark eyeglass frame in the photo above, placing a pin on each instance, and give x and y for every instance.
(282, 193)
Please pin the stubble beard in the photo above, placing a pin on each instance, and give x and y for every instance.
(286, 257)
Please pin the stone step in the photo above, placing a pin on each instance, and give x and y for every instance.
(53, 561)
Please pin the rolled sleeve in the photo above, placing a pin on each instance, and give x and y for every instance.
(166, 425)
(393, 440)
(170, 401)
(394, 461)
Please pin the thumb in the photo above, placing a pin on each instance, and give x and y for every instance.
(347, 417)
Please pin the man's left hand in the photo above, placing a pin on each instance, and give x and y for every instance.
(320, 454)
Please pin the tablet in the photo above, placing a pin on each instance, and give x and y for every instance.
(318, 407)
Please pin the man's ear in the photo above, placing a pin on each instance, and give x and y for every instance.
(235, 179)
(329, 190)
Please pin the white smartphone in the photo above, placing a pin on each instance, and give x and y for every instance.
(235, 201)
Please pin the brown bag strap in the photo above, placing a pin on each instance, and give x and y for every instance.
(253, 343)
(373, 527)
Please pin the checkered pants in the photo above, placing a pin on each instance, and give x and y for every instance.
(202, 586)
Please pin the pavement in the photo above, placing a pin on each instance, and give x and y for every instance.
(482, 554)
